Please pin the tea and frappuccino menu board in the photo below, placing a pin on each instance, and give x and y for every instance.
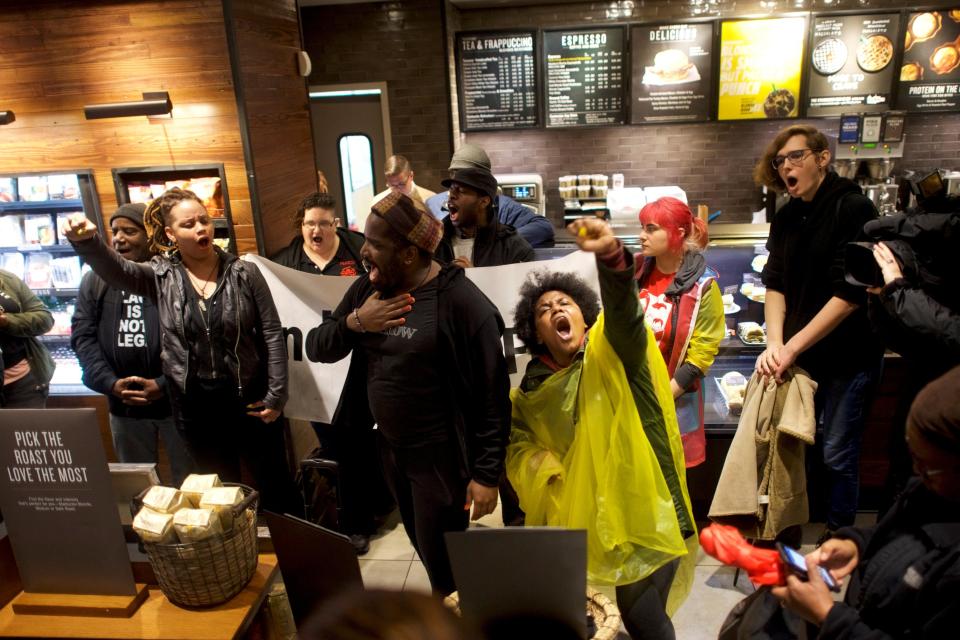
(851, 63)
(929, 73)
(585, 76)
(761, 62)
(498, 82)
(672, 72)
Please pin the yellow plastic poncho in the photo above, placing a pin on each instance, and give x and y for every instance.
(582, 425)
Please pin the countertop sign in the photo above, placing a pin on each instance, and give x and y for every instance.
(497, 80)
(929, 75)
(672, 72)
(58, 503)
(760, 65)
(584, 81)
(851, 63)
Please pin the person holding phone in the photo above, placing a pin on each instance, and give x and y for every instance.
(222, 345)
(904, 571)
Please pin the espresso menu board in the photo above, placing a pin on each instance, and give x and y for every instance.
(851, 63)
(584, 82)
(929, 74)
(672, 72)
(497, 80)
(760, 66)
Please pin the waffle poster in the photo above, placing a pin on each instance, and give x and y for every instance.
(672, 72)
(852, 63)
(929, 77)
(760, 67)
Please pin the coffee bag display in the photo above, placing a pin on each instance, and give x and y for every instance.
(585, 76)
(672, 72)
(760, 68)
(851, 63)
(496, 74)
(929, 74)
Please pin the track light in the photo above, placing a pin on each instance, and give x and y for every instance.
(153, 104)
(6, 117)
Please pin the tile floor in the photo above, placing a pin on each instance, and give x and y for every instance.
(392, 563)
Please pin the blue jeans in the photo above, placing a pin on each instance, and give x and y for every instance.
(135, 440)
(842, 402)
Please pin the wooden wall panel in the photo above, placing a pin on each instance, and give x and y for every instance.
(57, 56)
(275, 104)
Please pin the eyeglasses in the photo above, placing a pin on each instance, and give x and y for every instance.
(323, 224)
(795, 158)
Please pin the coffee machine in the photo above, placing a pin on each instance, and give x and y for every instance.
(869, 146)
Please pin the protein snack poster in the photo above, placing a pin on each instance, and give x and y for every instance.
(761, 63)
(930, 70)
(672, 72)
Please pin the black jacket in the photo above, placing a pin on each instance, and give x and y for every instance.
(907, 582)
(919, 314)
(95, 328)
(293, 255)
(807, 244)
(495, 244)
(257, 362)
(469, 328)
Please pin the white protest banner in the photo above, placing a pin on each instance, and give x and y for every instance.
(304, 300)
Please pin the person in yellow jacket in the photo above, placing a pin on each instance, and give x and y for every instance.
(594, 442)
(683, 306)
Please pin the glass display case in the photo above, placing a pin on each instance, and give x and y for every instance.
(208, 181)
(32, 208)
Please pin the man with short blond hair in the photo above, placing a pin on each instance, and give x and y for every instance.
(399, 174)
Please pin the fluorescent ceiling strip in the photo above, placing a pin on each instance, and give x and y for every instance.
(346, 93)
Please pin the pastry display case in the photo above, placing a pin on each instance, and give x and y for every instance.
(32, 209)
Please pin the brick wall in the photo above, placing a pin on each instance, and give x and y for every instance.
(711, 161)
(402, 43)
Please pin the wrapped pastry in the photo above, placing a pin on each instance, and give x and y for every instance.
(154, 527)
(165, 500)
(222, 500)
(734, 386)
(193, 525)
(195, 484)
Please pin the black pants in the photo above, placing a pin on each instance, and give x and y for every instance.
(220, 435)
(430, 489)
(25, 393)
(643, 604)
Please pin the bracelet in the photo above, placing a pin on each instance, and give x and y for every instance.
(356, 316)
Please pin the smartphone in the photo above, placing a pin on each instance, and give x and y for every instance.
(795, 561)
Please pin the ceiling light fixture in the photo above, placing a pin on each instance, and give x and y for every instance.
(155, 103)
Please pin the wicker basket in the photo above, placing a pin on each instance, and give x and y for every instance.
(605, 613)
(211, 571)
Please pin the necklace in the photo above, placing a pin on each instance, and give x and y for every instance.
(202, 290)
(425, 276)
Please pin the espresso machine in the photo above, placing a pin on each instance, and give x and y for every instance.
(869, 146)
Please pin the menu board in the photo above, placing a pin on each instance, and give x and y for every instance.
(498, 85)
(760, 66)
(851, 63)
(929, 77)
(672, 72)
(584, 82)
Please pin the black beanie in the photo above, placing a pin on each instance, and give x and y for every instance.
(132, 211)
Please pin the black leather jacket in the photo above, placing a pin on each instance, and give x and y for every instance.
(250, 321)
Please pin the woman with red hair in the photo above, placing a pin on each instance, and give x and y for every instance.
(683, 306)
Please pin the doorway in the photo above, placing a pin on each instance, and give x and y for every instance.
(351, 134)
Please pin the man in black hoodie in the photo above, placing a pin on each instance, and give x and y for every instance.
(116, 336)
(815, 318)
(472, 234)
(429, 343)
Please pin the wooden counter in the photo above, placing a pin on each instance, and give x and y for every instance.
(156, 618)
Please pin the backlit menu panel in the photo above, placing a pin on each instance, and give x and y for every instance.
(585, 77)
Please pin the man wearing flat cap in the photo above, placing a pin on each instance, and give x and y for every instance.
(116, 336)
(534, 228)
(428, 343)
(472, 234)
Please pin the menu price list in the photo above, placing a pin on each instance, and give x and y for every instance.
(497, 74)
(851, 58)
(585, 77)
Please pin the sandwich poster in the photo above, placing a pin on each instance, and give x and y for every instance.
(929, 74)
(760, 68)
(672, 72)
